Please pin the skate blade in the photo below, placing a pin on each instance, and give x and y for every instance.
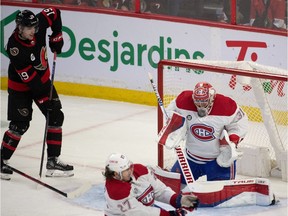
(6, 177)
(59, 173)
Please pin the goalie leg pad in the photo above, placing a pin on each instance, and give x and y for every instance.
(237, 193)
(171, 179)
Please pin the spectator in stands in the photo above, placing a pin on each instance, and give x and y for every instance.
(242, 11)
(157, 6)
(174, 7)
(115, 4)
(212, 10)
(268, 14)
(149, 6)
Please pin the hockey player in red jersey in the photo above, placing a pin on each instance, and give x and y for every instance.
(131, 189)
(207, 116)
(29, 81)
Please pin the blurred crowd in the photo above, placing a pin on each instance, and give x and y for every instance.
(270, 14)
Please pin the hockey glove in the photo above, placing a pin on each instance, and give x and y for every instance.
(45, 104)
(178, 212)
(228, 153)
(187, 201)
(56, 42)
(224, 159)
(49, 106)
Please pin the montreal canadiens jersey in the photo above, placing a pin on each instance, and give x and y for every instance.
(137, 197)
(203, 133)
(28, 70)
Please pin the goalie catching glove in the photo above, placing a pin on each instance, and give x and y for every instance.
(173, 132)
(228, 153)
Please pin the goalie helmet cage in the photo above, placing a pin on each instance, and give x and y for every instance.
(260, 90)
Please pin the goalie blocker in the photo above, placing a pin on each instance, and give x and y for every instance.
(173, 132)
(229, 193)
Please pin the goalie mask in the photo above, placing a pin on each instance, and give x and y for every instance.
(203, 98)
(118, 162)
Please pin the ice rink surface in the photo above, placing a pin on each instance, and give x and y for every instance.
(93, 129)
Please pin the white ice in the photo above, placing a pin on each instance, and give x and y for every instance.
(92, 130)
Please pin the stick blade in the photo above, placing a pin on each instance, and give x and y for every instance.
(79, 191)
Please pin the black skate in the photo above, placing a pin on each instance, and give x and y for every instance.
(57, 168)
(6, 172)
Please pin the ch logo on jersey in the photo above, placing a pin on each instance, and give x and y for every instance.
(202, 132)
(147, 197)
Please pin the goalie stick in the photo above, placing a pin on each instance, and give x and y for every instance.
(69, 195)
(178, 150)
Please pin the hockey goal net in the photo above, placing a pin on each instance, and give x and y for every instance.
(260, 90)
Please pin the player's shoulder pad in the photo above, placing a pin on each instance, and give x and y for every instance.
(140, 170)
(117, 190)
(223, 105)
(17, 55)
(184, 101)
(12, 47)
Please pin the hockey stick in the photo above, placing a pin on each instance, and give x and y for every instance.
(47, 116)
(69, 195)
(37, 181)
(179, 152)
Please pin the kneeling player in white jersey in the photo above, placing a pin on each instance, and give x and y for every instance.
(207, 115)
(132, 189)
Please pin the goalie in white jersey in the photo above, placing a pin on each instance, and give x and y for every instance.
(131, 189)
(207, 115)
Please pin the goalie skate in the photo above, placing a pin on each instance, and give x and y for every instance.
(57, 168)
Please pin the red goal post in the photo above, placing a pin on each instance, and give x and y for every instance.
(260, 90)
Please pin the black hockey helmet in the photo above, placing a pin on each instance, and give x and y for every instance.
(26, 18)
